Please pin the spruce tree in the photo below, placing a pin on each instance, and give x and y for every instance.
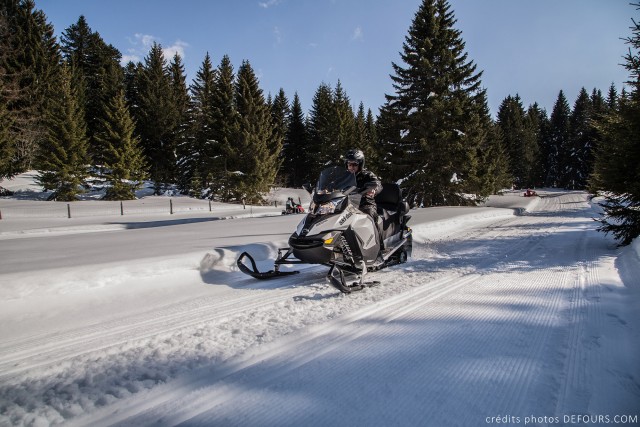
(360, 131)
(63, 156)
(372, 142)
(558, 141)
(345, 131)
(519, 141)
(197, 152)
(29, 59)
(256, 151)
(7, 137)
(435, 123)
(124, 166)
(494, 172)
(280, 121)
(578, 152)
(156, 119)
(612, 98)
(97, 74)
(365, 137)
(538, 123)
(617, 162)
(182, 132)
(225, 129)
(7, 143)
(295, 154)
(322, 126)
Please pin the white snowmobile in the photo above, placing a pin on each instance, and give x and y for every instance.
(337, 234)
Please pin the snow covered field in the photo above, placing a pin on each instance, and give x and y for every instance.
(519, 313)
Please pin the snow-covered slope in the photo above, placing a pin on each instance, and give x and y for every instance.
(144, 322)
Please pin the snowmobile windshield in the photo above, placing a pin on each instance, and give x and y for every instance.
(332, 182)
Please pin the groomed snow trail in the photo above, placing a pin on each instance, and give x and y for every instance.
(517, 316)
(493, 322)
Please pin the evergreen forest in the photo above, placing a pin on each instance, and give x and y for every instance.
(70, 110)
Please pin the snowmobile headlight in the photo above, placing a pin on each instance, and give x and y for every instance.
(326, 208)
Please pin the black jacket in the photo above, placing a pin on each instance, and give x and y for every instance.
(369, 180)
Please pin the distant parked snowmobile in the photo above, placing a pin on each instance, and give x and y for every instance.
(335, 233)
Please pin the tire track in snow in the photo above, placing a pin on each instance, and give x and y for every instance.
(292, 352)
(541, 284)
(444, 298)
(46, 349)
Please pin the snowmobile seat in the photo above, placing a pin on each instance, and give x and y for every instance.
(390, 198)
(390, 206)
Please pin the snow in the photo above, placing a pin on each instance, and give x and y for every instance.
(515, 313)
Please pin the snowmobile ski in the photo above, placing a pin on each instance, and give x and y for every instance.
(253, 271)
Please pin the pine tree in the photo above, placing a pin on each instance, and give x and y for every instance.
(256, 151)
(125, 168)
(7, 142)
(538, 123)
(196, 153)
(434, 125)
(295, 153)
(360, 131)
(371, 142)
(97, 75)
(322, 133)
(29, 59)
(519, 141)
(63, 158)
(7, 136)
(182, 132)
(577, 154)
(612, 98)
(280, 121)
(156, 119)
(345, 132)
(494, 163)
(225, 129)
(617, 163)
(559, 129)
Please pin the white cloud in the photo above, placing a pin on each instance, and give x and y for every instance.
(177, 47)
(277, 34)
(142, 43)
(145, 39)
(357, 34)
(269, 3)
(129, 58)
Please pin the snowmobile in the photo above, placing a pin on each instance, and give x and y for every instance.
(337, 234)
(294, 209)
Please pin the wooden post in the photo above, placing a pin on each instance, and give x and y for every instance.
(209, 205)
(170, 207)
(121, 209)
(68, 210)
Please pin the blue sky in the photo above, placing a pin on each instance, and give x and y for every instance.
(532, 48)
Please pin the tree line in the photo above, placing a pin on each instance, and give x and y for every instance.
(70, 110)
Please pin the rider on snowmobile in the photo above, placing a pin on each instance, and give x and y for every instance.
(368, 184)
